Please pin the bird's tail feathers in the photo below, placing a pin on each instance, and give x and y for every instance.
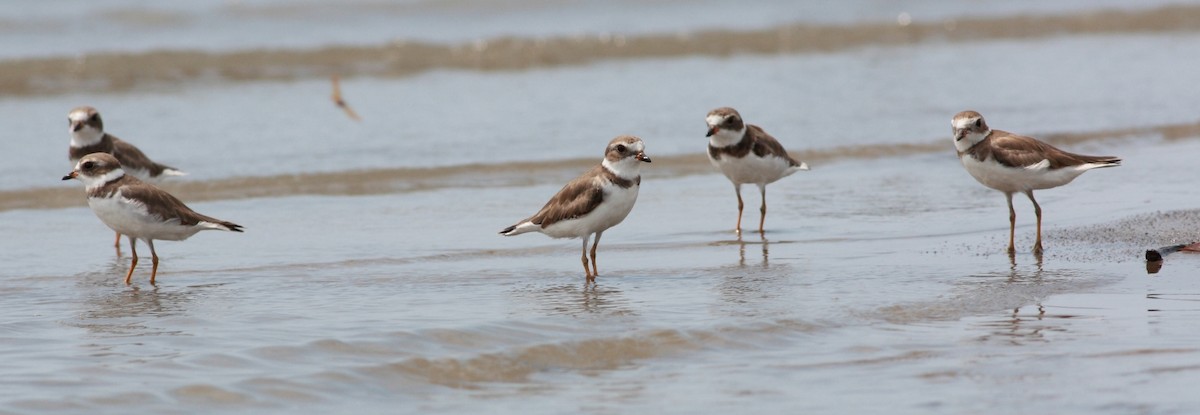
(519, 228)
(221, 226)
(1102, 162)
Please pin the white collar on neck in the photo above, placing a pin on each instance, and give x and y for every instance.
(98, 182)
(85, 138)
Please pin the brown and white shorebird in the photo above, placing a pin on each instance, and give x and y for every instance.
(593, 202)
(138, 209)
(341, 103)
(1013, 163)
(88, 136)
(746, 154)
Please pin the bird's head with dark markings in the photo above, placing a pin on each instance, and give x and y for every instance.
(968, 128)
(725, 127)
(624, 156)
(96, 169)
(85, 125)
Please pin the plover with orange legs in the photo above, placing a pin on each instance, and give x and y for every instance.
(747, 155)
(1013, 163)
(138, 209)
(88, 136)
(599, 199)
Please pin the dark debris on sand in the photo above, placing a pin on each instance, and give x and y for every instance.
(1127, 238)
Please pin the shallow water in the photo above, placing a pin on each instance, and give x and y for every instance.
(371, 279)
(461, 118)
(49, 29)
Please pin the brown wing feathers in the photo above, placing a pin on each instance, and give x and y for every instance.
(765, 144)
(158, 202)
(1019, 151)
(579, 197)
(756, 140)
(131, 157)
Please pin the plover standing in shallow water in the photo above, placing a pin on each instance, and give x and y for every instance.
(746, 154)
(88, 136)
(138, 209)
(593, 202)
(1012, 163)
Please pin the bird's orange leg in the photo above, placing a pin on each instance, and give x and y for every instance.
(1012, 224)
(153, 260)
(132, 251)
(117, 244)
(586, 270)
(738, 189)
(762, 219)
(1037, 209)
(595, 243)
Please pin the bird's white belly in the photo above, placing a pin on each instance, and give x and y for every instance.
(753, 169)
(131, 218)
(1019, 179)
(618, 202)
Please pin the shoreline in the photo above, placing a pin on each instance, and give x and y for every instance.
(119, 72)
(518, 173)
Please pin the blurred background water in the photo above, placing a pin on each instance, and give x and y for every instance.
(370, 278)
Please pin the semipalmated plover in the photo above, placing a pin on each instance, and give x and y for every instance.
(747, 154)
(341, 103)
(593, 202)
(88, 136)
(138, 209)
(1012, 163)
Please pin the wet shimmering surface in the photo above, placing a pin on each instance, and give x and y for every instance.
(880, 286)
(134, 26)
(457, 118)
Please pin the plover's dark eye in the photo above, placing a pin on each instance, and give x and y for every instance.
(979, 122)
(87, 165)
(620, 148)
